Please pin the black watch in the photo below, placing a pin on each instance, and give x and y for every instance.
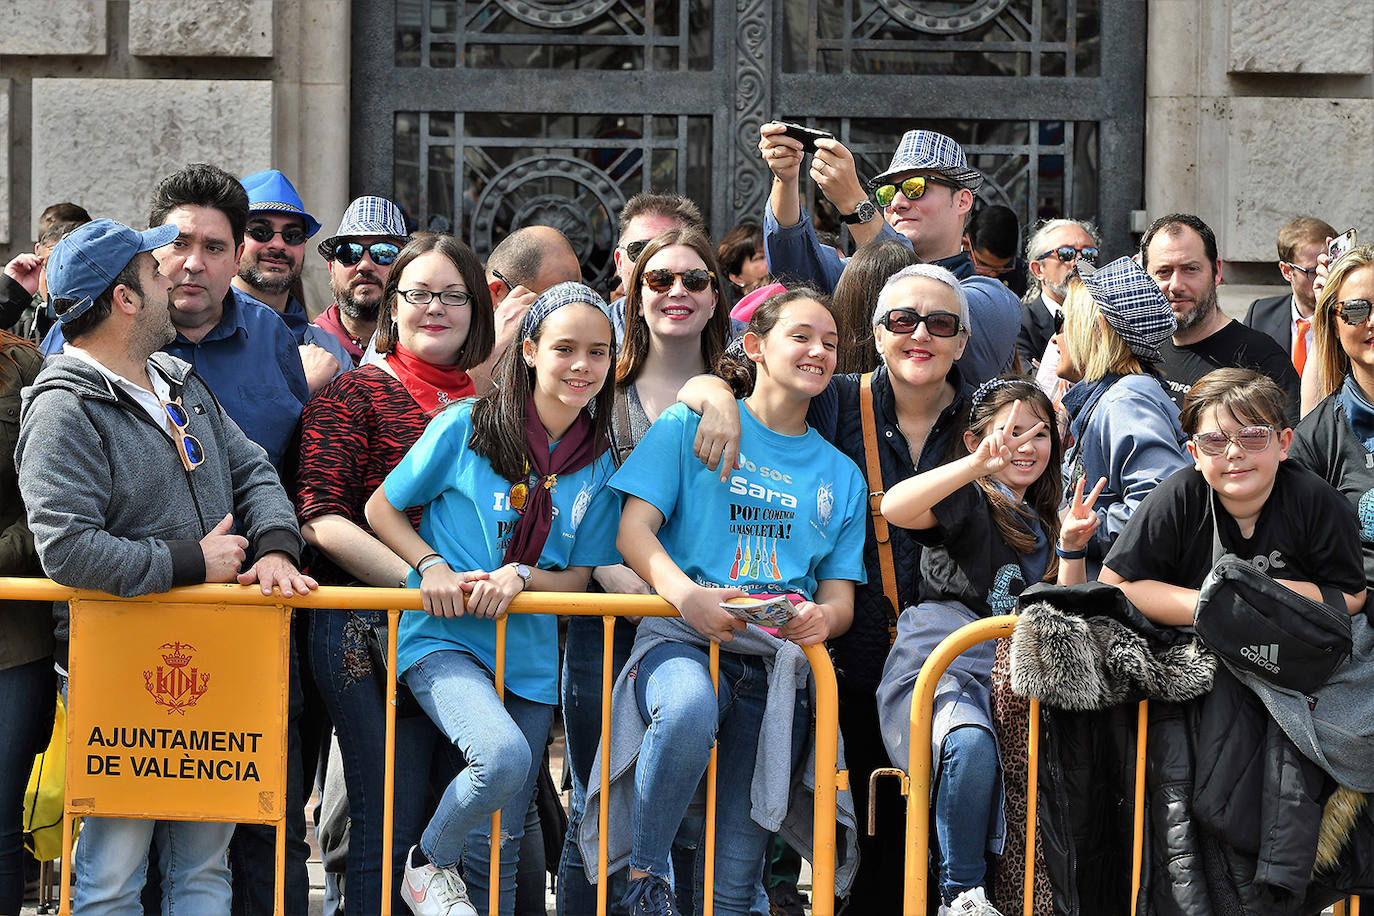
(864, 212)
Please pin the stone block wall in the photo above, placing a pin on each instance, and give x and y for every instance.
(101, 98)
(1258, 111)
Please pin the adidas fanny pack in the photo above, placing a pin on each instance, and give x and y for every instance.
(1257, 625)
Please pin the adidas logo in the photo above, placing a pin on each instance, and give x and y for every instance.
(1267, 657)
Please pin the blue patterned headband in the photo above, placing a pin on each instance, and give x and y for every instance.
(554, 298)
(991, 385)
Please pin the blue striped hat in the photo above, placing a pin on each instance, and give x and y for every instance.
(927, 151)
(368, 216)
(1132, 303)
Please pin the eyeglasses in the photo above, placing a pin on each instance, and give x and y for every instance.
(906, 321)
(1058, 322)
(992, 269)
(291, 235)
(1067, 253)
(192, 454)
(1309, 271)
(694, 280)
(635, 249)
(497, 274)
(912, 188)
(447, 297)
(1354, 311)
(1250, 438)
(350, 253)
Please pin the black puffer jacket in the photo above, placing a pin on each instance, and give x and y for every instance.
(859, 654)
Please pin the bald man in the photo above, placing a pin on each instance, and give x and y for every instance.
(523, 265)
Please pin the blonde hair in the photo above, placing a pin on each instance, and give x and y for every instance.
(1093, 345)
(1332, 361)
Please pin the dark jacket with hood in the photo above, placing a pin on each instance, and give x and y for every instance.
(111, 505)
(1235, 815)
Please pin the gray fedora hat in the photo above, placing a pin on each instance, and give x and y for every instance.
(927, 151)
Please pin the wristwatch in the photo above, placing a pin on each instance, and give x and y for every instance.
(864, 212)
(523, 572)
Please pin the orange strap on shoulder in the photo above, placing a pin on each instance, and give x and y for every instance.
(875, 500)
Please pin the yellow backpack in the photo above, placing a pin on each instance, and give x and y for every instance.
(43, 798)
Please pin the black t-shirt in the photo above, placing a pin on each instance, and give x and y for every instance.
(1325, 444)
(966, 560)
(1305, 531)
(1233, 347)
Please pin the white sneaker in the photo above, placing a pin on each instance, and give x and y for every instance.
(972, 902)
(434, 891)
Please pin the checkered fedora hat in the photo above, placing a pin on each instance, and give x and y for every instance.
(1132, 303)
(368, 216)
(927, 151)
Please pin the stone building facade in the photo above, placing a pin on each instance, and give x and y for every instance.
(1254, 110)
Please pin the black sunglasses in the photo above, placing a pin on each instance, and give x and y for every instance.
(1067, 253)
(1058, 322)
(635, 249)
(291, 235)
(1353, 311)
(350, 253)
(694, 280)
(906, 321)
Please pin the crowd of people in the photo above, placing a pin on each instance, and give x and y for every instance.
(952, 423)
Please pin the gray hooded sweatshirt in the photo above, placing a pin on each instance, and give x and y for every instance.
(109, 502)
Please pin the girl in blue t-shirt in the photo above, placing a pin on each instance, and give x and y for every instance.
(789, 521)
(515, 498)
(987, 521)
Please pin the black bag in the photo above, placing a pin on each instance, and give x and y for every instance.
(406, 704)
(1257, 625)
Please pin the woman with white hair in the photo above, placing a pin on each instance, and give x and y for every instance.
(914, 404)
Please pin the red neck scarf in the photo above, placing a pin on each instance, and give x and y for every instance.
(574, 451)
(433, 387)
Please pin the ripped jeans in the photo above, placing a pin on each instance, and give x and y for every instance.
(504, 748)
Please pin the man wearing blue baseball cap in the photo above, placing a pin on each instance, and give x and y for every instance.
(270, 270)
(923, 200)
(133, 477)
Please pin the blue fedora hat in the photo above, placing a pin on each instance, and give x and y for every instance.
(271, 190)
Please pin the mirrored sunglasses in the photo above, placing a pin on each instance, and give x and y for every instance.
(1353, 311)
(192, 454)
(1213, 444)
(350, 253)
(906, 321)
(1068, 253)
(291, 235)
(426, 296)
(694, 280)
(912, 188)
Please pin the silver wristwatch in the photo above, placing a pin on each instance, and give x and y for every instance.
(524, 572)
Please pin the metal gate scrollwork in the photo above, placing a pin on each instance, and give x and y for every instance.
(488, 115)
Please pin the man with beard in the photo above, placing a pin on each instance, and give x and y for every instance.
(270, 270)
(1180, 252)
(133, 475)
(1052, 253)
(371, 235)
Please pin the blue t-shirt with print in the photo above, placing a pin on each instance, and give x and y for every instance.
(791, 515)
(468, 520)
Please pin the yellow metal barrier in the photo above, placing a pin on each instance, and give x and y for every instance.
(828, 777)
(916, 785)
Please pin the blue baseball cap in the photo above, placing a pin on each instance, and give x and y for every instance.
(87, 260)
(271, 190)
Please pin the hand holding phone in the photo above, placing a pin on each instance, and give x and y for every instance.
(1339, 246)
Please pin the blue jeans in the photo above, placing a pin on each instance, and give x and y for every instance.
(111, 862)
(963, 808)
(686, 717)
(352, 690)
(28, 695)
(504, 748)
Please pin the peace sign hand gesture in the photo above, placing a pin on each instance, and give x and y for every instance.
(997, 448)
(1080, 521)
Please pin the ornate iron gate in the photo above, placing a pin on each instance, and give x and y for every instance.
(486, 115)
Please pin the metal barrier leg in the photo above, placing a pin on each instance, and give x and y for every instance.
(603, 813)
(1338, 908)
(1355, 906)
(1032, 802)
(64, 900)
(708, 891)
(494, 875)
(393, 620)
(279, 889)
(1142, 728)
(829, 778)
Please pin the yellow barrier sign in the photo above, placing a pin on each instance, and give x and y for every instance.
(177, 711)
